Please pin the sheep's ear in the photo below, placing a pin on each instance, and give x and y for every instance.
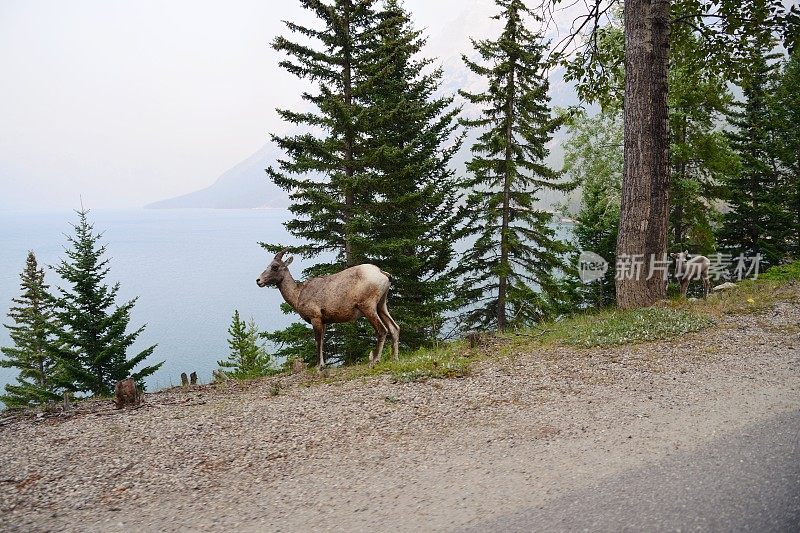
(289, 261)
(686, 252)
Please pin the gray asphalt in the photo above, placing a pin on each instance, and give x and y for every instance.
(747, 480)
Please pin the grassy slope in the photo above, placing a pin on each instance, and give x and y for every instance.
(597, 328)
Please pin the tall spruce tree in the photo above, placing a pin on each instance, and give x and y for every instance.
(698, 98)
(511, 271)
(757, 221)
(33, 338)
(788, 117)
(593, 159)
(700, 155)
(324, 169)
(368, 180)
(412, 191)
(724, 27)
(93, 343)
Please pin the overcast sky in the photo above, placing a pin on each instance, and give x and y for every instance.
(125, 102)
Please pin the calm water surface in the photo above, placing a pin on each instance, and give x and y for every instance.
(190, 269)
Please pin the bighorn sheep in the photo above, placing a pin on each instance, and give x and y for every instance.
(361, 290)
(687, 270)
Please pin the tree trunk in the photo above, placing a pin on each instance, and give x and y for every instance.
(503, 281)
(644, 213)
(127, 394)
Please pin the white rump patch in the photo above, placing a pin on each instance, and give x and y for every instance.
(373, 274)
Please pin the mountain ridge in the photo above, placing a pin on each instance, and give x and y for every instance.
(243, 186)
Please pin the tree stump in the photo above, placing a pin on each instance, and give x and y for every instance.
(184, 379)
(193, 378)
(127, 394)
(298, 366)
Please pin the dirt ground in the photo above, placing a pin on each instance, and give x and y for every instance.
(371, 454)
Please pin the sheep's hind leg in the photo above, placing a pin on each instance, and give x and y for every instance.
(319, 337)
(380, 330)
(394, 329)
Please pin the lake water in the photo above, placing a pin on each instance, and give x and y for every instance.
(190, 269)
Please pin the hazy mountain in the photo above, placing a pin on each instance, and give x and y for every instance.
(244, 186)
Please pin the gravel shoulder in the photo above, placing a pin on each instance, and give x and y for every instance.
(519, 433)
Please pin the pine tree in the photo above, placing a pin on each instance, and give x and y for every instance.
(757, 221)
(511, 272)
(248, 358)
(296, 342)
(724, 26)
(593, 159)
(324, 169)
(788, 137)
(700, 155)
(371, 183)
(412, 191)
(32, 334)
(93, 343)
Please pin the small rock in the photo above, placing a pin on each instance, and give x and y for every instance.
(724, 286)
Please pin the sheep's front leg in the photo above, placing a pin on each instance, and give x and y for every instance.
(319, 337)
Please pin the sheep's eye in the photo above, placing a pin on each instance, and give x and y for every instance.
(274, 268)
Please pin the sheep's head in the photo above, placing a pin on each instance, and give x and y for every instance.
(276, 270)
(680, 257)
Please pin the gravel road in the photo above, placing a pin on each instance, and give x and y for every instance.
(744, 480)
(586, 434)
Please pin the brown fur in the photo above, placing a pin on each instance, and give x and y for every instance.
(687, 270)
(358, 291)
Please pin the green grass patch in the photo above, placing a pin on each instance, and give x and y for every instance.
(679, 316)
(450, 360)
(615, 327)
